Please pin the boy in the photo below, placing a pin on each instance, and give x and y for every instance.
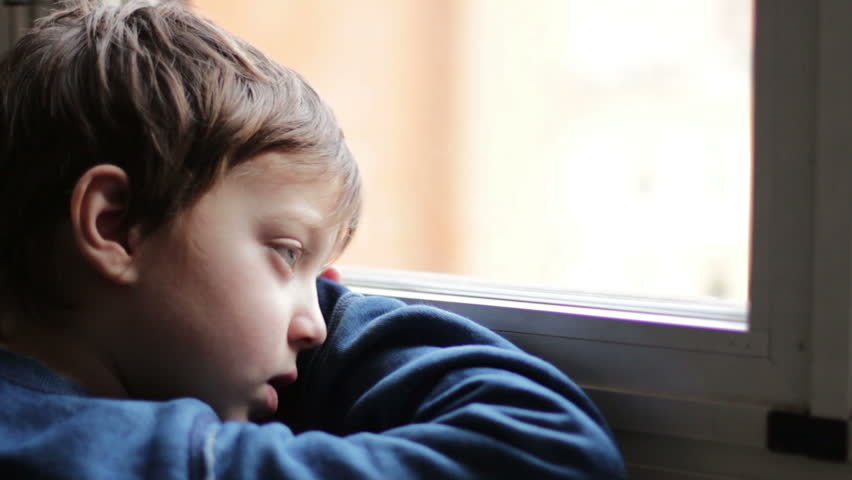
(168, 198)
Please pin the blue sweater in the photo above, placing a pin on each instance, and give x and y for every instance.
(396, 392)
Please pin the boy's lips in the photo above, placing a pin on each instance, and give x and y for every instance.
(281, 381)
(276, 384)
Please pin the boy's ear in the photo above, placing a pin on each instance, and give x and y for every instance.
(98, 208)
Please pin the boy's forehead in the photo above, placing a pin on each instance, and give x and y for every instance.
(295, 181)
(274, 166)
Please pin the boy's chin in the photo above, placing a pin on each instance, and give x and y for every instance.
(233, 412)
(261, 407)
(234, 416)
(271, 402)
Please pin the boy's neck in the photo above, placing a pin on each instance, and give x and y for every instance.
(62, 352)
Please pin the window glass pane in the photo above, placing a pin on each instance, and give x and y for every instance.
(599, 146)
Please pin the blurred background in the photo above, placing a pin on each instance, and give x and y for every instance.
(588, 146)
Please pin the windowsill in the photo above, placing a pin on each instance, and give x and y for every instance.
(455, 290)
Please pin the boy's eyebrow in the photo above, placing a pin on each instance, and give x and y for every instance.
(310, 217)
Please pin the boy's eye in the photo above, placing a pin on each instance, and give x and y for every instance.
(289, 254)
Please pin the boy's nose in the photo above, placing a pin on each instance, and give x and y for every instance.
(307, 327)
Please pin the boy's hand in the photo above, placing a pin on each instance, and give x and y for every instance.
(332, 274)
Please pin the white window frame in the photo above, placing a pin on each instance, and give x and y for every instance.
(717, 384)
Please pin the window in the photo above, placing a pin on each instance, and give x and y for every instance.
(567, 147)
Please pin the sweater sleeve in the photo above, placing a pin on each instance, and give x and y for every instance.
(415, 392)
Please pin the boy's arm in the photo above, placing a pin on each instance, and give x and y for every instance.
(414, 392)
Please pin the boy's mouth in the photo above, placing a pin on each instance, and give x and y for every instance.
(276, 385)
(279, 382)
(272, 390)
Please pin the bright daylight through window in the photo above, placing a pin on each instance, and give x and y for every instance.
(596, 147)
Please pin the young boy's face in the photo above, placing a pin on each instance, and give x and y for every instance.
(226, 297)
